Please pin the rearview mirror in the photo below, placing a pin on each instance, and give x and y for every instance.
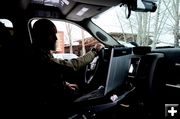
(144, 6)
(139, 6)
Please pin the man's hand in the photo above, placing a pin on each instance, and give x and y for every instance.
(72, 86)
(98, 47)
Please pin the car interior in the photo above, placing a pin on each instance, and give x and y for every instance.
(126, 82)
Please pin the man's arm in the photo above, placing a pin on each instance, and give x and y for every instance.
(82, 61)
(78, 63)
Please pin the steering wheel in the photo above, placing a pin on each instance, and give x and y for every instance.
(91, 68)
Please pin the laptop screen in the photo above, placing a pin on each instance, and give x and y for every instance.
(118, 68)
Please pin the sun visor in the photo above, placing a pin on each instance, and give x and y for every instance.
(83, 11)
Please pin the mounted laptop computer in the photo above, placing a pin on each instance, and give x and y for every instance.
(117, 74)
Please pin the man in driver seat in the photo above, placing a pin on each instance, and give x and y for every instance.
(50, 82)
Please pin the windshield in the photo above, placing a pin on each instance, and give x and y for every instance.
(155, 29)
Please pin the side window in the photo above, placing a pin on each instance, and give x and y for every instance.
(72, 39)
(8, 24)
(6, 35)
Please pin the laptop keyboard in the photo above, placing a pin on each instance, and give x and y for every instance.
(92, 95)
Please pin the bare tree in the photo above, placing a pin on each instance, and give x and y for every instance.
(176, 25)
(142, 28)
(164, 22)
(145, 25)
(139, 33)
(118, 17)
(174, 17)
(148, 27)
(156, 26)
(133, 37)
(69, 35)
(83, 42)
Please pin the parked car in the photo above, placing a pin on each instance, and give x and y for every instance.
(65, 56)
(135, 76)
